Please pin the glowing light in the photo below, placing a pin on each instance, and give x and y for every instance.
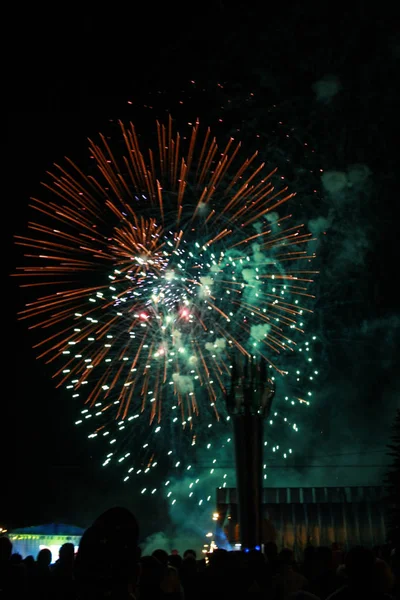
(162, 266)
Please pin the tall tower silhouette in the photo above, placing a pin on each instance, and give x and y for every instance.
(249, 403)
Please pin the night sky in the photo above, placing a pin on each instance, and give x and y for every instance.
(70, 74)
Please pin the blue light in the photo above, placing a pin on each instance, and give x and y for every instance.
(246, 550)
(258, 548)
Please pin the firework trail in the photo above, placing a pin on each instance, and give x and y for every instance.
(157, 269)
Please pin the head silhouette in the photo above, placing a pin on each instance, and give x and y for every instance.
(44, 558)
(108, 553)
(5, 549)
(161, 555)
(359, 563)
(66, 553)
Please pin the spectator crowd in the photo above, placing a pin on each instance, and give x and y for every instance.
(109, 564)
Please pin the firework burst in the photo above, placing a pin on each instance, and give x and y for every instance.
(157, 269)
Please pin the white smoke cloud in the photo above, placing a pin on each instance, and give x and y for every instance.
(217, 346)
(326, 88)
(181, 541)
(334, 182)
(220, 342)
(344, 217)
(358, 174)
(258, 256)
(205, 288)
(203, 208)
(258, 332)
(318, 225)
(183, 382)
(353, 249)
(156, 541)
(271, 217)
(249, 274)
(206, 280)
(385, 325)
(191, 517)
(215, 268)
(176, 337)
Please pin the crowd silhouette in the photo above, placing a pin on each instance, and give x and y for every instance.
(109, 564)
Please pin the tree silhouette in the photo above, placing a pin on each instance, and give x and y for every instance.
(392, 482)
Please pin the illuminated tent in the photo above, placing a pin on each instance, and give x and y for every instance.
(30, 540)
